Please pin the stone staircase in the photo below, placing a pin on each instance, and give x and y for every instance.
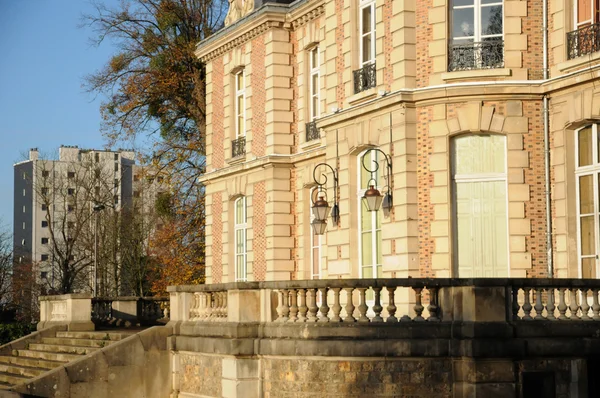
(51, 352)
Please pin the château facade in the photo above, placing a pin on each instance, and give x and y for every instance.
(487, 123)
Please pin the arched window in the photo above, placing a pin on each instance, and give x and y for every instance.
(587, 172)
(369, 222)
(480, 205)
(240, 228)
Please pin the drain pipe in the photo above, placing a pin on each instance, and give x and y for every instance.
(546, 112)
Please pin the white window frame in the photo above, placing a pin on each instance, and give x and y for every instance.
(240, 92)
(374, 214)
(479, 177)
(314, 70)
(363, 4)
(315, 244)
(590, 21)
(594, 171)
(477, 6)
(241, 274)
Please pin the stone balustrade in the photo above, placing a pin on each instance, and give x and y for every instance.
(209, 306)
(130, 310)
(555, 300)
(398, 300)
(362, 301)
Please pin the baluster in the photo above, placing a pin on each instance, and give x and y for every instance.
(362, 306)
(349, 305)
(515, 303)
(585, 305)
(222, 313)
(595, 305)
(324, 307)
(191, 314)
(418, 306)
(550, 306)
(312, 305)
(167, 310)
(225, 305)
(285, 310)
(573, 305)
(293, 305)
(302, 308)
(377, 308)
(215, 307)
(337, 308)
(539, 308)
(202, 309)
(196, 307)
(433, 307)
(216, 313)
(279, 308)
(391, 305)
(562, 305)
(527, 304)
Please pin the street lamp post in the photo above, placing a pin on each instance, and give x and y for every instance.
(98, 207)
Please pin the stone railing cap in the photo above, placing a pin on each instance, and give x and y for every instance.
(80, 296)
(389, 282)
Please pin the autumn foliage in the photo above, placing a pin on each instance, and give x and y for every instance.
(177, 262)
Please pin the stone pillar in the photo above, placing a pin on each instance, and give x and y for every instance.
(241, 378)
(484, 378)
(243, 305)
(73, 310)
(473, 304)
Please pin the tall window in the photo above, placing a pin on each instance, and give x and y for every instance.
(480, 219)
(315, 246)
(587, 171)
(584, 38)
(365, 77)
(585, 12)
(240, 104)
(477, 34)
(312, 133)
(240, 228)
(314, 83)
(369, 222)
(367, 32)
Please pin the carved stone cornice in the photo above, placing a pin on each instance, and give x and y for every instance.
(263, 21)
(241, 39)
(303, 19)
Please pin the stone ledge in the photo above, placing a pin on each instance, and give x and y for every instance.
(362, 96)
(575, 63)
(476, 74)
(478, 347)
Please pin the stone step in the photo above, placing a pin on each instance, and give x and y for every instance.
(114, 336)
(11, 378)
(30, 362)
(67, 349)
(52, 356)
(24, 371)
(5, 386)
(76, 342)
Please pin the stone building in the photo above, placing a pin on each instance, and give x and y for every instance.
(488, 116)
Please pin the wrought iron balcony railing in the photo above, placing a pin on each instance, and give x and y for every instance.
(487, 54)
(238, 147)
(583, 41)
(312, 132)
(365, 78)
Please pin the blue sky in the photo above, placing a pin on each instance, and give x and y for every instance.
(43, 58)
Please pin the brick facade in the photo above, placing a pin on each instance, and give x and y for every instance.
(429, 106)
